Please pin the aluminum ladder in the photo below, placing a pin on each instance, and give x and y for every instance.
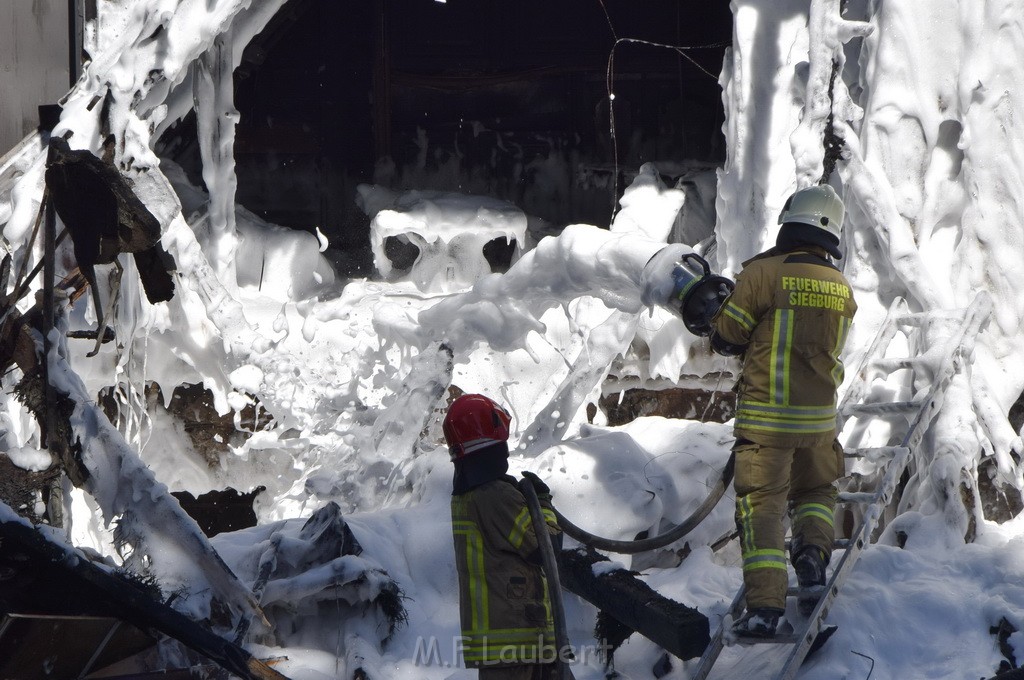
(894, 457)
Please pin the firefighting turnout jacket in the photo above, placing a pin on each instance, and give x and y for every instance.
(792, 310)
(504, 603)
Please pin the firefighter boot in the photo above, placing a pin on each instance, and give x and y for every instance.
(759, 622)
(809, 566)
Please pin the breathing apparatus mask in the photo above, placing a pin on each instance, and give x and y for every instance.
(681, 281)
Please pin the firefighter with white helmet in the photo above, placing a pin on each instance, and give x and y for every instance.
(788, 318)
(507, 625)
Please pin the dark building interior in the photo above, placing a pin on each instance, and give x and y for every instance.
(481, 97)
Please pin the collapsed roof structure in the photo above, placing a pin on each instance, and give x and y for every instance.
(159, 59)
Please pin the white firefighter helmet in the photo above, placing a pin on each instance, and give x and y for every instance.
(819, 206)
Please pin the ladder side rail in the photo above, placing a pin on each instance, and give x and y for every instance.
(974, 318)
(887, 487)
(805, 638)
(707, 660)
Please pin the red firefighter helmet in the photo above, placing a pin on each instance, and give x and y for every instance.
(474, 422)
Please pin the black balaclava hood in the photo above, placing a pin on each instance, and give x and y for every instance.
(480, 467)
(793, 234)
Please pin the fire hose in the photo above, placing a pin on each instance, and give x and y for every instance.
(550, 565)
(695, 294)
(663, 539)
(550, 562)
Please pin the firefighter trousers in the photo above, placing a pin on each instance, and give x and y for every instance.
(769, 483)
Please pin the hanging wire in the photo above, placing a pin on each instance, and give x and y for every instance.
(610, 81)
(681, 50)
(711, 399)
(608, 18)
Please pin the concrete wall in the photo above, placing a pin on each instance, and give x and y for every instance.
(33, 63)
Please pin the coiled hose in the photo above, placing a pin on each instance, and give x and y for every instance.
(661, 540)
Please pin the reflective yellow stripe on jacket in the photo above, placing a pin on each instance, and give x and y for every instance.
(523, 524)
(844, 330)
(792, 310)
(488, 637)
(739, 315)
(474, 546)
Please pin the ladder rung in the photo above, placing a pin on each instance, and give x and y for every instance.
(921, 318)
(779, 639)
(896, 364)
(882, 408)
(857, 497)
(872, 453)
(838, 544)
(914, 318)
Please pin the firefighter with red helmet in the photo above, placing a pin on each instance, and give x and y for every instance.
(505, 610)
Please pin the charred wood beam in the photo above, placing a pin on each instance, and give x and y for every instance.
(130, 602)
(833, 143)
(98, 206)
(157, 511)
(51, 408)
(108, 335)
(18, 488)
(680, 630)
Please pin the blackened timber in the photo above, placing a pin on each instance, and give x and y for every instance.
(99, 207)
(131, 603)
(5, 275)
(51, 407)
(680, 630)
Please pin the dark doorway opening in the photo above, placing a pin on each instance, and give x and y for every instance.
(486, 97)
